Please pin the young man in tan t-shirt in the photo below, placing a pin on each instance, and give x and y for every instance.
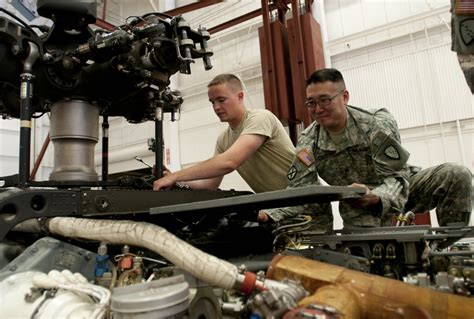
(255, 144)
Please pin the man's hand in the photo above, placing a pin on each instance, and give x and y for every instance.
(166, 171)
(262, 217)
(165, 182)
(367, 200)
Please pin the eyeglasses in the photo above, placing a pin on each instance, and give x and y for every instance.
(322, 102)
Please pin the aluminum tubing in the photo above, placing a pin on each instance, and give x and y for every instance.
(74, 133)
(203, 266)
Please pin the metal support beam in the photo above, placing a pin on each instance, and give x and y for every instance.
(104, 24)
(235, 21)
(40, 157)
(105, 147)
(192, 6)
(269, 77)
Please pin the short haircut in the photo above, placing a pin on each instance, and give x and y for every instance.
(232, 81)
(325, 75)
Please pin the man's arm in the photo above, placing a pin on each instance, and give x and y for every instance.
(390, 164)
(216, 167)
(207, 184)
(393, 194)
(369, 199)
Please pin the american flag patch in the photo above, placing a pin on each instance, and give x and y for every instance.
(306, 157)
(464, 7)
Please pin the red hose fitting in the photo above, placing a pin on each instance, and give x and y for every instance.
(248, 285)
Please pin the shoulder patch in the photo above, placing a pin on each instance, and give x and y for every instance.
(292, 172)
(306, 156)
(466, 29)
(391, 152)
(387, 153)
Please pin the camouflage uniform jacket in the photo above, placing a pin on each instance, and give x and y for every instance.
(462, 26)
(369, 153)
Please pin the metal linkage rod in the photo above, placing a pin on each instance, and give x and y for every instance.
(26, 112)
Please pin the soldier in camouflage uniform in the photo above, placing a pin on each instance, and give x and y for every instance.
(462, 35)
(347, 145)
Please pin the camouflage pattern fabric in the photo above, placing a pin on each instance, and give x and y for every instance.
(466, 61)
(462, 37)
(446, 187)
(369, 153)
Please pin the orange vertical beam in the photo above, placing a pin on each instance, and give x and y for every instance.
(290, 51)
(298, 68)
(268, 72)
(282, 73)
(313, 51)
(306, 57)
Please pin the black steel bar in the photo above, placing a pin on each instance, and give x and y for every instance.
(17, 205)
(25, 128)
(159, 142)
(26, 112)
(281, 198)
(105, 148)
(85, 184)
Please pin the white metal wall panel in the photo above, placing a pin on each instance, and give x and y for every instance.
(419, 88)
(10, 137)
(436, 144)
(347, 17)
(10, 147)
(197, 144)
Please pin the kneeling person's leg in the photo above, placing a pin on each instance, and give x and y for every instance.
(446, 187)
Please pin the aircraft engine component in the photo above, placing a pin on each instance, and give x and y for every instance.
(56, 295)
(78, 74)
(120, 71)
(359, 295)
(164, 298)
(143, 283)
(74, 133)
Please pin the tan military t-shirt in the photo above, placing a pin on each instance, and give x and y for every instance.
(267, 168)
